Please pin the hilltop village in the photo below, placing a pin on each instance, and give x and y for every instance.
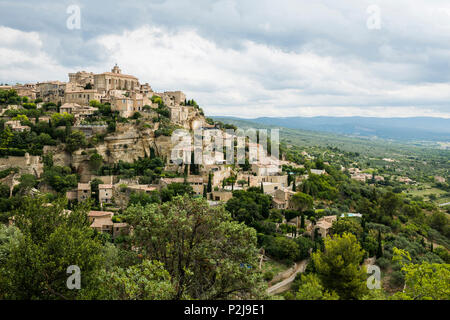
(141, 129)
(102, 144)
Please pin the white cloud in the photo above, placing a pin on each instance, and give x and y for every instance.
(23, 58)
(260, 80)
(247, 58)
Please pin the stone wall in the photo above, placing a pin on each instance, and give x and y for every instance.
(27, 164)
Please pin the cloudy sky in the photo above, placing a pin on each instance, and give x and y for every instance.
(246, 58)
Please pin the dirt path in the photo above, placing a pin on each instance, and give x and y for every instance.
(283, 285)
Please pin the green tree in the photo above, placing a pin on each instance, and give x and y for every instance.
(75, 141)
(338, 266)
(241, 182)
(205, 194)
(347, 224)
(425, 281)
(94, 189)
(144, 281)
(311, 288)
(302, 201)
(144, 198)
(209, 188)
(249, 206)
(95, 161)
(380, 246)
(51, 241)
(27, 182)
(188, 236)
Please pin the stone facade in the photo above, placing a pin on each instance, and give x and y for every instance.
(115, 80)
(82, 97)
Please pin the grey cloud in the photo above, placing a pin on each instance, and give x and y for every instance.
(411, 48)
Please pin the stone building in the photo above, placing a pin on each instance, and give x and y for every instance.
(195, 182)
(51, 91)
(324, 225)
(115, 80)
(82, 97)
(174, 98)
(77, 110)
(282, 199)
(26, 90)
(15, 125)
(221, 195)
(105, 193)
(83, 191)
(102, 221)
(82, 78)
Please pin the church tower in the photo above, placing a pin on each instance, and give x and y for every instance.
(116, 69)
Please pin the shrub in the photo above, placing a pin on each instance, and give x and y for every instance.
(383, 263)
(268, 275)
(397, 279)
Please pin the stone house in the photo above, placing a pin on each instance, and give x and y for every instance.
(82, 97)
(221, 195)
(324, 225)
(15, 125)
(102, 222)
(281, 198)
(261, 169)
(83, 191)
(105, 193)
(195, 182)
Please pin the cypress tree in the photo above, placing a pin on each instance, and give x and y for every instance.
(380, 247)
(302, 221)
(294, 188)
(209, 182)
(248, 181)
(262, 187)
(204, 192)
(192, 165)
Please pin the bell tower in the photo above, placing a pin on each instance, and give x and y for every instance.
(116, 69)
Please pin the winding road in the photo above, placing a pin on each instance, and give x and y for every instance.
(282, 285)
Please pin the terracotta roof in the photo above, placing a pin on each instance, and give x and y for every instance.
(100, 213)
(120, 225)
(143, 187)
(105, 186)
(323, 224)
(117, 75)
(84, 186)
(99, 223)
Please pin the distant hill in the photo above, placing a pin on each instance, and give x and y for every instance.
(409, 129)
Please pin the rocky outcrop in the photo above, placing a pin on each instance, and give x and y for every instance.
(129, 142)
